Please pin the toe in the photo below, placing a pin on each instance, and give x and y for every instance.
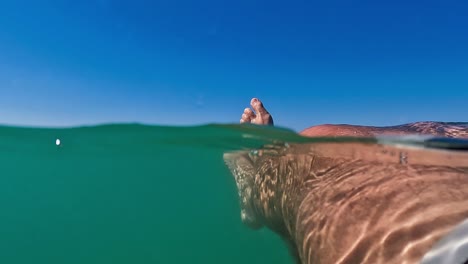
(246, 118)
(262, 117)
(257, 105)
(249, 113)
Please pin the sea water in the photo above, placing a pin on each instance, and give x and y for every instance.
(133, 193)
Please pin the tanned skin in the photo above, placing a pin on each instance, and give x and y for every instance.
(263, 117)
(351, 202)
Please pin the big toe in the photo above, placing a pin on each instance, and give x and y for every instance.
(257, 105)
(262, 116)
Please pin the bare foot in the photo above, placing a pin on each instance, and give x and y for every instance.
(261, 115)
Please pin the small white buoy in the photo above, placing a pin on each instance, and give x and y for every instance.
(57, 142)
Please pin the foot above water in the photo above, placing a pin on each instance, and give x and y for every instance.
(260, 117)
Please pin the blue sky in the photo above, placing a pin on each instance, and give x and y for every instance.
(65, 63)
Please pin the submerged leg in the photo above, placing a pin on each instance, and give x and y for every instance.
(350, 202)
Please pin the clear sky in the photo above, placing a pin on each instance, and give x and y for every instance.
(175, 62)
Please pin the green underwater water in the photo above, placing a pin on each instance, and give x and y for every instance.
(129, 194)
(126, 194)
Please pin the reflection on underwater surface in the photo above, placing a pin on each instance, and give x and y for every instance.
(383, 200)
(151, 194)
